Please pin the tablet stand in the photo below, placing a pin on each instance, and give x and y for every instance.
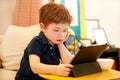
(85, 68)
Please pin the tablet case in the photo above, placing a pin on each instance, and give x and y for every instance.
(85, 60)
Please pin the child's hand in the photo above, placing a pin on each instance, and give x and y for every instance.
(64, 69)
(67, 35)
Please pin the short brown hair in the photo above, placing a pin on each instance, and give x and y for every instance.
(54, 13)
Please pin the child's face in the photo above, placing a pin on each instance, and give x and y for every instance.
(56, 33)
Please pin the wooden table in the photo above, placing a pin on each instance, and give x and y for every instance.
(104, 75)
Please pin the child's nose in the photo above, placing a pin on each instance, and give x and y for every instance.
(61, 34)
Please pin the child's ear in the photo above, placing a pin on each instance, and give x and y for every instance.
(42, 27)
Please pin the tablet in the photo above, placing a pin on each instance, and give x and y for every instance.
(88, 54)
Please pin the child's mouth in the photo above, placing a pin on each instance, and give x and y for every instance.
(59, 40)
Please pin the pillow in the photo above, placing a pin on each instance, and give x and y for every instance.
(13, 44)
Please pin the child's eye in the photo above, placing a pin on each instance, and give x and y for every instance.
(56, 30)
(66, 30)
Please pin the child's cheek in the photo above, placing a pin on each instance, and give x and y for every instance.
(67, 34)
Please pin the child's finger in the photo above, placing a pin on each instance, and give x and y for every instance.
(69, 66)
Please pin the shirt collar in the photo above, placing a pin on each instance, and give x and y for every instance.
(43, 38)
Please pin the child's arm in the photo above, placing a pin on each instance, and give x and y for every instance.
(38, 67)
(66, 57)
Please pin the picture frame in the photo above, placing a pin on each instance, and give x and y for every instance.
(90, 25)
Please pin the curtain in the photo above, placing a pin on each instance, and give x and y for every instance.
(26, 12)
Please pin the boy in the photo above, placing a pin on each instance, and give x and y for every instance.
(46, 53)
